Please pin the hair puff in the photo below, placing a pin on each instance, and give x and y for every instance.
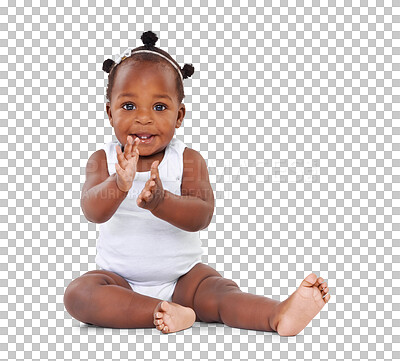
(149, 39)
(108, 64)
(187, 71)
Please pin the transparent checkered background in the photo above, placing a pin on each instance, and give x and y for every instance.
(295, 109)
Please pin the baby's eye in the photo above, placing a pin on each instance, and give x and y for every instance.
(161, 105)
(128, 104)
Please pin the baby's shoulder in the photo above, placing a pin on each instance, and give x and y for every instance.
(195, 177)
(99, 154)
(190, 155)
(97, 161)
(193, 161)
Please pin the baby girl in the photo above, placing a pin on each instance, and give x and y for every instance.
(152, 195)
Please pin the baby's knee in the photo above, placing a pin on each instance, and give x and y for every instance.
(77, 297)
(226, 286)
(210, 296)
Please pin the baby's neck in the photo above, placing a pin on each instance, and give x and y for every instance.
(144, 163)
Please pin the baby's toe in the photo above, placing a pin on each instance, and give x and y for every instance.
(164, 305)
(165, 330)
(310, 281)
(327, 298)
(322, 286)
(160, 327)
(325, 290)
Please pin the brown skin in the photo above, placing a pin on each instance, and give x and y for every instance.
(144, 113)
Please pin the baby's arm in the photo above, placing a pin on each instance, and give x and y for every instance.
(102, 194)
(193, 210)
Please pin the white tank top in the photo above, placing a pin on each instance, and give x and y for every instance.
(136, 244)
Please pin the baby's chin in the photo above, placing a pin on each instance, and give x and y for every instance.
(147, 152)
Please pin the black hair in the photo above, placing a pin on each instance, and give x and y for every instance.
(149, 39)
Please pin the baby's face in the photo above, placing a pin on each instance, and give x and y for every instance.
(144, 104)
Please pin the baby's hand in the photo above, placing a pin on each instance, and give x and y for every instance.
(126, 166)
(153, 192)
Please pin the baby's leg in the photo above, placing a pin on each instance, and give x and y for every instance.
(103, 298)
(217, 299)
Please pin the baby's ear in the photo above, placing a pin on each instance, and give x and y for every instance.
(108, 110)
(181, 115)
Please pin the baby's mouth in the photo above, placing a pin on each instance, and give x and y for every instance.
(144, 138)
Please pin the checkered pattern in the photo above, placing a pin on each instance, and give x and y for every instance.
(295, 109)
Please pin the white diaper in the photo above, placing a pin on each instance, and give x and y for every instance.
(163, 291)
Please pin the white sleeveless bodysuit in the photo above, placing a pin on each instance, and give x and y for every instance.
(150, 253)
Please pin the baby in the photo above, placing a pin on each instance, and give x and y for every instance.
(152, 196)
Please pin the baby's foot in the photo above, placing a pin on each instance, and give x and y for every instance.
(171, 317)
(295, 313)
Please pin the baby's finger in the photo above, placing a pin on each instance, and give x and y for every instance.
(148, 196)
(154, 169)
(131, 165)
(128, 147)
(150, 186)
(135, 149)
(146, 192)
(121, 158)
(136, 146)
(150, 183)
(140, 202)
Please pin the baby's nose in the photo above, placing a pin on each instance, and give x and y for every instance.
(143, 120)
(143, 116)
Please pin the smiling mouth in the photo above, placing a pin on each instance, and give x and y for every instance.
(144, 138)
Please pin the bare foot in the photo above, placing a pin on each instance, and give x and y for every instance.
(171, 317)
(296, 312)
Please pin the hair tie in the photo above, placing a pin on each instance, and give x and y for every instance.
(128, 52)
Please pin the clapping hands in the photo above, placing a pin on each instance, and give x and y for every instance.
(127, 162)
(152, 194)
